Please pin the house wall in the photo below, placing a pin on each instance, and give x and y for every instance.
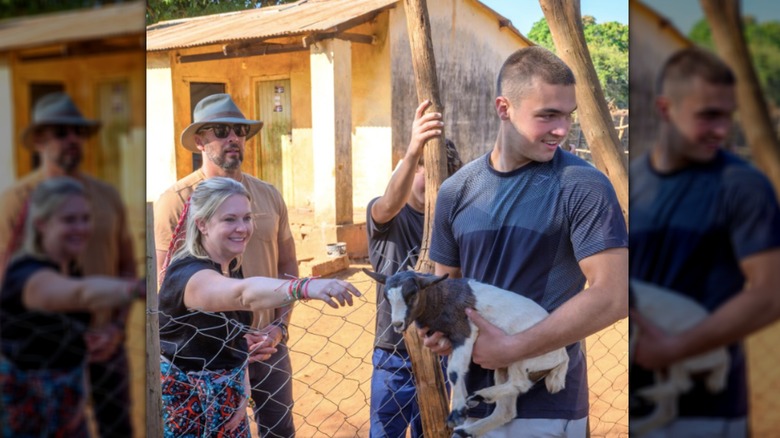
(652, 41)
(469, 48)
(371, 115)
(162, 142)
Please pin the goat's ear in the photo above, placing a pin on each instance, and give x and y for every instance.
(430, 280)
(379, 278)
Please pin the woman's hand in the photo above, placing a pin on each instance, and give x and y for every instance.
(334, 292)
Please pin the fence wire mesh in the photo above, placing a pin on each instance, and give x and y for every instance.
(331, 353)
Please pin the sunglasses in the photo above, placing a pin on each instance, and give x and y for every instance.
(222, 130)
(63, 131)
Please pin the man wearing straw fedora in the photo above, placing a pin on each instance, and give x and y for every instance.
(58, 133)
(219, 132)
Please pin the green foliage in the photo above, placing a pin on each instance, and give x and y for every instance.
(763, 40)
(608, 46)
(162, 10)
(20, 8)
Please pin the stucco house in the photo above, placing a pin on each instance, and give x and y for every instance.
(333, 82)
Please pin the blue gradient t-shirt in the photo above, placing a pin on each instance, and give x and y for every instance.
(689, 230)
(526, 231)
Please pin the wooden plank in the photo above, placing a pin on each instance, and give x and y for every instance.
(154, 394)
(431, 389)
(565, 21)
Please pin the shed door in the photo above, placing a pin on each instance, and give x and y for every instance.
(273, 108)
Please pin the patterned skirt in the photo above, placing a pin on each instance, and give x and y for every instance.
(201, 403)
(36, 403)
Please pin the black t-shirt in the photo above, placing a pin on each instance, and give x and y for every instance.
(391, 248)
(34, 340)
(195, 340)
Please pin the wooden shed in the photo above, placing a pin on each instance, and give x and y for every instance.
(333, 82)
(96, 55)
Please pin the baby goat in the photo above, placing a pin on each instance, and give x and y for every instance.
(440, 304)
(674, 313)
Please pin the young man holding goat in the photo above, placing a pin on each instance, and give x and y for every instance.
(532, 219)
(395, 228)
(706, 224)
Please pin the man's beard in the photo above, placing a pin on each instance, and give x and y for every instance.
(227, 163)
(69, 162)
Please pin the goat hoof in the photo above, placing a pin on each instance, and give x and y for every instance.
(456, 418)
(460, 433)
(474, 400)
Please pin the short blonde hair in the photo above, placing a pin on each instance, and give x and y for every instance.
(203, 203)
(44, 202)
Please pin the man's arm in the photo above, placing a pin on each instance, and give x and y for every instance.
(603, 303)
(757, 305)
(398, 189)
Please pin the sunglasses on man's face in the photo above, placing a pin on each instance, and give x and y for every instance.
(64, 131)
(223, 130)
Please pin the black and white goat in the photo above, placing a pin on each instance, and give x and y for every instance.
(674, 313)
(440, 304)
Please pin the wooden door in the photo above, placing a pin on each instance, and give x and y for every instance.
(272, 100)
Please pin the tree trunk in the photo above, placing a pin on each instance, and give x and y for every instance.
(563, 17)
(431, 390)
(726, 24)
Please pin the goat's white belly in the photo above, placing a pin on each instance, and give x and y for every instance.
(509, 311)
(674, 312)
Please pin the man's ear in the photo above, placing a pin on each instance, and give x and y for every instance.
(199, 143)
(662, 105)
(502, 107)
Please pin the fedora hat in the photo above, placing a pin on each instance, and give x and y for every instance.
(217, 108)
(56, 109)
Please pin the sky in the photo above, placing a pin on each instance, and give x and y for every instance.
(683, 13)
(524, 13)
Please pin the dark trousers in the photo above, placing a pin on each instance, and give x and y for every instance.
(110, 389)
(271, 382)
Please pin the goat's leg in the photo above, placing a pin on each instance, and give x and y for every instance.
(556, 380)
(505, 411)
(457, 367)
(718, 377)
(509, 381)
(663, 387)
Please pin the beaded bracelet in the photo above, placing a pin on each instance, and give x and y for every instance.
(306, 287)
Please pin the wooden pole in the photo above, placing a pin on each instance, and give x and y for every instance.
(726, 23)
(564, 19)
(154, 392)
(431, 390)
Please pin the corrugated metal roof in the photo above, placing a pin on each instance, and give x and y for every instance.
(298, 18)
(78, 25)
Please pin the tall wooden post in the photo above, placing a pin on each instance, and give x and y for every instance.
(431, 390)
(154, 391)
(565, 21)
(726, 23)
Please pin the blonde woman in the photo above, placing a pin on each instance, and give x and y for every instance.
(45, 313)
(206, 311)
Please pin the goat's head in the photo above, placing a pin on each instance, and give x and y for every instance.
(402, 291)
